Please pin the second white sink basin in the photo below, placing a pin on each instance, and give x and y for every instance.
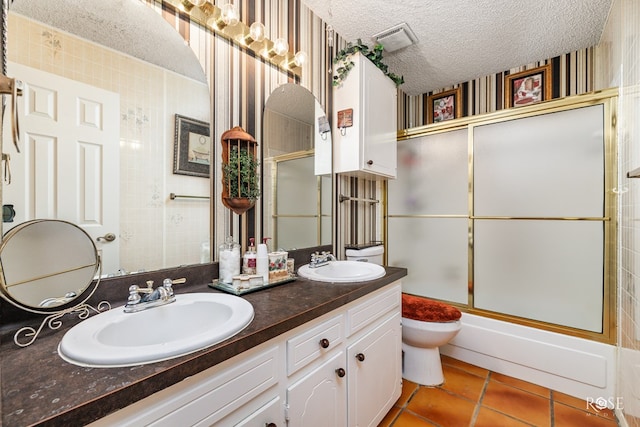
(193, 322)
(343, 272)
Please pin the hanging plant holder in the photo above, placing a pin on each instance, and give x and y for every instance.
(240, 187)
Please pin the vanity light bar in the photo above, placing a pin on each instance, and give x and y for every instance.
(225, 21)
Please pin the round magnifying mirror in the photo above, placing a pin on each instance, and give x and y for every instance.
(46, 264)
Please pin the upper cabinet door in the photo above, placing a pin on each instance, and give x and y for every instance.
(365, 121)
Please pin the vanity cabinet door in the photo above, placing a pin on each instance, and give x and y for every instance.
(374, 365)
(365, 123)
(319, 399)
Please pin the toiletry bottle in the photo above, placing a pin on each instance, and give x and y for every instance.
(262, 261)
(249, 259)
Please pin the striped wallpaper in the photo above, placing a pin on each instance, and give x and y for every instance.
(241, 82)
(571, 74)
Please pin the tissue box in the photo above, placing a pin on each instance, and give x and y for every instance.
(278, 266)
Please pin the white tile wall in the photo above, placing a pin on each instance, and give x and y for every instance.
(618, 65)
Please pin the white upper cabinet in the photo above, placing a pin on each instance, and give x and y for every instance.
(365, 122)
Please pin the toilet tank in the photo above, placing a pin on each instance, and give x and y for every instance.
(372, 254)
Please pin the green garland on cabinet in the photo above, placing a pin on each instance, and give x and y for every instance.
(343, 58)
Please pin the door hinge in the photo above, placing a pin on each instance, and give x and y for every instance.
(286, 412)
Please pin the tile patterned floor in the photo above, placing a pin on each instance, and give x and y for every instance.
(475, 397)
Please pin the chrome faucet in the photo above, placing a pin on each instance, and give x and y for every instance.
(51, 302)
(320, 259)
(150, 297)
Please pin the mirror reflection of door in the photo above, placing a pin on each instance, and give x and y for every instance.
(69, 165)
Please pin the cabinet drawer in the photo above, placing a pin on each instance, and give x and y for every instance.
(373, 308)
(205, 398)
(222, 394)
(306, 347)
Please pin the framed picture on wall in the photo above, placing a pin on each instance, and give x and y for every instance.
(444, 106)
(192, 147)
(527, 87)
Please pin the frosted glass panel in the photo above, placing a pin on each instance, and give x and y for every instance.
(435, 253)
(432, 176)
(296, 233)
(543, 270)
(297, 187)
(325, 208)
(545, 166)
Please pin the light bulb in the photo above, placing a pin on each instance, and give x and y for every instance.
(300, 58)
(280, 47)
(229, 14)
(256, 31)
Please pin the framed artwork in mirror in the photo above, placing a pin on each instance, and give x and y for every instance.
(192, 147)
(444, 106)
(527, 87)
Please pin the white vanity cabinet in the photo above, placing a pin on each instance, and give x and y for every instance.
(343, 368)
(365, 122)
(354, 384)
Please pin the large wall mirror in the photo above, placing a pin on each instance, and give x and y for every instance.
(297, 181)
(104, 83)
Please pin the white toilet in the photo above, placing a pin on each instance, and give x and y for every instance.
(426, 325)
(372, 254)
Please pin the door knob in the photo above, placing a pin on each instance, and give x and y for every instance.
(109, 237)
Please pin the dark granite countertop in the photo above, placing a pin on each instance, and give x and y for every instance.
(39, 388)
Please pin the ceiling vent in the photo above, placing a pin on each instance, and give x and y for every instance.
(396, 37)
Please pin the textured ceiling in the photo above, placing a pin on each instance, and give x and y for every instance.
(127, 26)
(460, 40)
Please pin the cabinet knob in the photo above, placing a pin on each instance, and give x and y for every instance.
(324, 343)
(369, 162)
(341, 372)
(270, 425)
(360, 357)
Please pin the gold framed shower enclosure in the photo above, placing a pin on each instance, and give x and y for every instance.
(608, 100)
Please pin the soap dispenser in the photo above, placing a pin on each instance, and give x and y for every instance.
(249, 258)
(262, 260)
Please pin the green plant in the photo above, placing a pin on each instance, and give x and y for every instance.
(240, 174)
(343, 59)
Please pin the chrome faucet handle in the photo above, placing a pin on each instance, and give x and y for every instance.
(134, 295)
(167, 284)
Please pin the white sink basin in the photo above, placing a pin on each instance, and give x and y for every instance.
(343, 272)
(193, 322)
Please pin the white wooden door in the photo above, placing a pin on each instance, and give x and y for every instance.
(375, 373)
(69, 167)
(319, 399)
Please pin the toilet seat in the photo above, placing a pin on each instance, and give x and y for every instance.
(427, 310)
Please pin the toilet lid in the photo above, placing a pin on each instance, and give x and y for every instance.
(427, 310)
